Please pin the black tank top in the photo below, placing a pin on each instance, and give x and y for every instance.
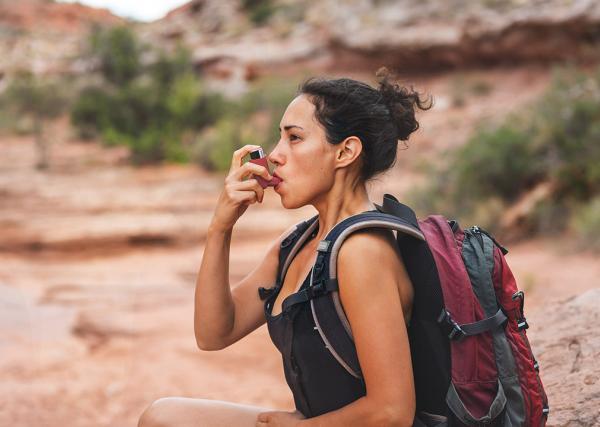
(318, 382)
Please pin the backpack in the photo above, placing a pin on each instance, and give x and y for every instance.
(472, 361)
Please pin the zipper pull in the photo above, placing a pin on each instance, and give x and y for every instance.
(479, 230)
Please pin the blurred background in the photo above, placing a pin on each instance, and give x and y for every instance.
(117, 125)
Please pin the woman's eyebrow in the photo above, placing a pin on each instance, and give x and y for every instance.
(288, 127)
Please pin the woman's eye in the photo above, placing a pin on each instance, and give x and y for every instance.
(292, 137)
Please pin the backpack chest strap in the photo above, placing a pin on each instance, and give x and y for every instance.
(317, 289)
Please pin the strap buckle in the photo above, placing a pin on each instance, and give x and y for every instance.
(522, 324)
(324, 246)
(265, 293)
(456, 333)
(289, 239)
(521, 321)
(317, 289)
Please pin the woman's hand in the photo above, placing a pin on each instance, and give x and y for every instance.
(238, 194)
(279, 419)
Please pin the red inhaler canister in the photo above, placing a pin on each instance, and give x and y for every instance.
(258, 157)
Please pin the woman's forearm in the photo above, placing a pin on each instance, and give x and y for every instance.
(362, 412)
(214, 309)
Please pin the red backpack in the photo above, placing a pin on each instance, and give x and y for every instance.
(472, 361)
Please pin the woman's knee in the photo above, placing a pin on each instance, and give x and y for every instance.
(161, 413)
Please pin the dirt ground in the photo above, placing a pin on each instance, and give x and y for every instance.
(98, 262)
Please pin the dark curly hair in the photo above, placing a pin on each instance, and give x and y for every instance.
(378, 117)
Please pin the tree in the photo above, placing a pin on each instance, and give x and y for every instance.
(41, 100)
(118, 53)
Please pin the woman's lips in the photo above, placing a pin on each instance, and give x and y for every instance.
(279, 181)
(271, 183)
(275, 180)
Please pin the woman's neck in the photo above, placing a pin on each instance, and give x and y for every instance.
(341, 203)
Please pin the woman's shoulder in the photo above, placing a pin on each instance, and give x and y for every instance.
(371, 243)
(369, 253)
(369, 260)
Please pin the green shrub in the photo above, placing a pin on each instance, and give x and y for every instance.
(149, 108)
(118, 52)
(493, 161)
(555, 140)
(92, 111)
(162, 110)
(35, 97)
(260, 11)
(567, 131)
(167, 68)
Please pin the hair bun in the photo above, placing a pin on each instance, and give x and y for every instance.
(401, 102)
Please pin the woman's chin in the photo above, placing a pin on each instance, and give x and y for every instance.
(286, 202)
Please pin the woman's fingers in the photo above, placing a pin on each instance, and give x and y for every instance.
(237, 195)
(249, 169)
(244, 197)
(251, 185)
(238, 155)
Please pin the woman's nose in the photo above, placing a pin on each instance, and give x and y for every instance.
(275, 156)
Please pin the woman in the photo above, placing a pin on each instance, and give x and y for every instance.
(336, 135)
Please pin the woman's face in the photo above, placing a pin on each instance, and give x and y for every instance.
(304, 159)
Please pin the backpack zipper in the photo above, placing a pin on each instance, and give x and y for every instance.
(479, 230)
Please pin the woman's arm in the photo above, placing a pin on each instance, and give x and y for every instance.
(375, 292)
(218, 320)
(222, 316)
(213, 309)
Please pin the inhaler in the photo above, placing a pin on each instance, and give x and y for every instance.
(258, 156)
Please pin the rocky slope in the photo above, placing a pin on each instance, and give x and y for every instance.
(407, 35)
(46, 15)
(324, 36)
(44, 36)
(568, 348)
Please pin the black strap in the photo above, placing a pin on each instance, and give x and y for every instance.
(468, 329)
(392, 206)
(288, 243)
(317, 289)
(265, 293)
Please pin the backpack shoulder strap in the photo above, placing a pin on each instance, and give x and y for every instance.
(392, 206)
(328, 314)
(292, 244)
(287, 250)
(324, 271)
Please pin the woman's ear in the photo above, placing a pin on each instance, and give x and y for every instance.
(348, 151)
